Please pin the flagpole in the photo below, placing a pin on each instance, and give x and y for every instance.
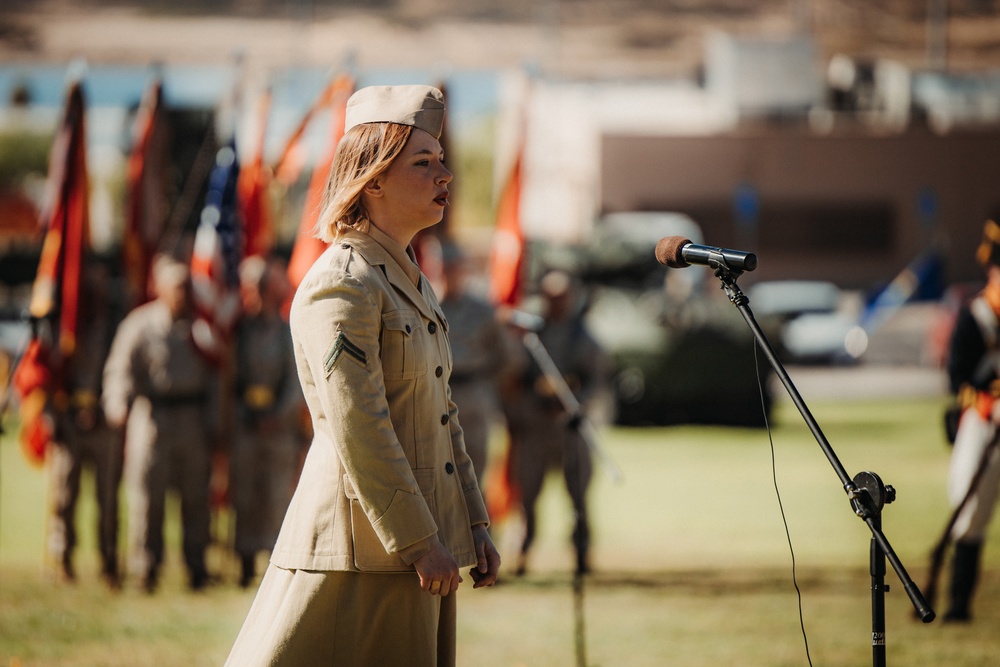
(173, 231)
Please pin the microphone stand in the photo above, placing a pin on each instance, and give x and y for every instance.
(865, 491)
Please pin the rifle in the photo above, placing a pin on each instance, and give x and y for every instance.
(569, 402)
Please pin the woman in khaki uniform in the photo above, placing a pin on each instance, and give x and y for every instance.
(387, 508)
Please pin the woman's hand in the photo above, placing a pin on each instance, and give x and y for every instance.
(486, 571)
(438, 571)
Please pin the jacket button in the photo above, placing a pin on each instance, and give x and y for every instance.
(407, 328)
(444, 419)
(438, 372)
(449, 468)
(431, 327)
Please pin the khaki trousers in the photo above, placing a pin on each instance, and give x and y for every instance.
(102, 449)
(164, 448)
(302, 618)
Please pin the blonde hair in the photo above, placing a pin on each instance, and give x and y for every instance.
(365, 152)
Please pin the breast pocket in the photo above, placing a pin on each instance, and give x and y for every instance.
(402, 355)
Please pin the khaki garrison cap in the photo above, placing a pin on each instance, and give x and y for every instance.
(419, 106)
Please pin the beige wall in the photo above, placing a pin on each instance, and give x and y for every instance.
(842, 207)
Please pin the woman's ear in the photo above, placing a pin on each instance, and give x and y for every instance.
(373, 188)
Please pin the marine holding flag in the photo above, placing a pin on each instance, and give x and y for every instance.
(82, 435)
(59, 377)
(268, 441)
(387, 508)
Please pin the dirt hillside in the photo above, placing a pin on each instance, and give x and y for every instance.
(578, 38)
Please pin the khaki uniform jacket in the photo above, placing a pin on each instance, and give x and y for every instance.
(387, 473)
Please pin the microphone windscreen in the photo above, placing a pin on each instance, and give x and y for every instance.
(668, 251)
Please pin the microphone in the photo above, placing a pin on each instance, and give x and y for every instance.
(678, 252)
(524, 320)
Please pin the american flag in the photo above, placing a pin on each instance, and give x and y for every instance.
(215, 259)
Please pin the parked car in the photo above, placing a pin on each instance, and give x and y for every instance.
(813, 327)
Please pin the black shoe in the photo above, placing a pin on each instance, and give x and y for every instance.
(151, 581)
(66, 570)
(957, 616)
(522, 565)
(964, 577)
(247, 572)
(198, 581)
(109, 574)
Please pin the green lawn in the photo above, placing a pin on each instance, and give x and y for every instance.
(692, 565)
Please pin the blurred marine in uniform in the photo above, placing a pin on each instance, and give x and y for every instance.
(974, 375)
(543, 434)
(484, 354)
(269, 403)
(82, 436)
(164, 393)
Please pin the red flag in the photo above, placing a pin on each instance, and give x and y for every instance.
(55, 295)
(33, 381)
(307, 246)
(508, 252)
(252, 191)
(147, 177)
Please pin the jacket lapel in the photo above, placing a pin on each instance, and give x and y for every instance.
(376, 255)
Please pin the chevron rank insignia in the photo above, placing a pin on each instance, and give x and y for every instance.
(344, 346)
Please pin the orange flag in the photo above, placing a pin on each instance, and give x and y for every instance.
(508, 252)
(147, 177)
(252, 191)
(55, 294)
(507, 258)
(307, 247)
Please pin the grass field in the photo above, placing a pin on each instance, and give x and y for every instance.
(692, 565)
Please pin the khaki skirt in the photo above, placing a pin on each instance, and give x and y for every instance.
(302, 618)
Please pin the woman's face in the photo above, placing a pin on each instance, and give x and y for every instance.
(415, 186)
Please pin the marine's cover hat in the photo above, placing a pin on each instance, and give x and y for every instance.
(419, 106)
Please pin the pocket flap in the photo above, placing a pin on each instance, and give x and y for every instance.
(424, 476)
(400, 320)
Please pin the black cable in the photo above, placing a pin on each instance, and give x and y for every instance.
(781, 507)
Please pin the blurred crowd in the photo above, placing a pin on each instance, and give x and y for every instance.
(151, 410)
